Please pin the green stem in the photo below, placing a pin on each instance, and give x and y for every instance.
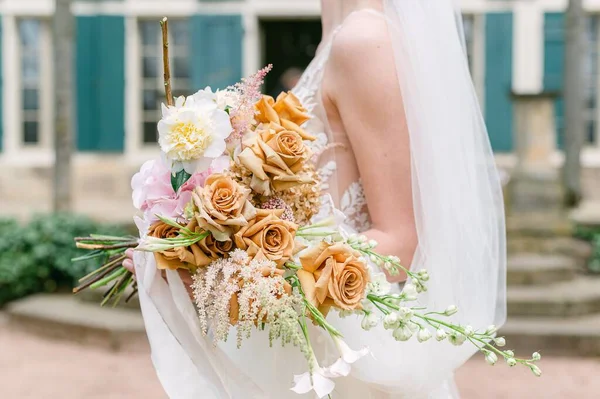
(113, 276)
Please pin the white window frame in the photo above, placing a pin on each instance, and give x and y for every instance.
(14, 150)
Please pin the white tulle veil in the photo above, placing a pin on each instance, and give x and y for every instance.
(457, 195)
(460, 224)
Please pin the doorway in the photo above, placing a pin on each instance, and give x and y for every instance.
(289, 45)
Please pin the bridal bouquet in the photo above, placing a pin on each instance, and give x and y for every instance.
(235, 201)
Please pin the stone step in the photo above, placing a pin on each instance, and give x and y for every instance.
(577, 297)
(566, 246)
(577, 336)
(538, 225)
(62, 316)
(533, 269)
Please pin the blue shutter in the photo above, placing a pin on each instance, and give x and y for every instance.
(1, 90)
(216, 50)
(554, 49)
(100, 68)
(498, 80)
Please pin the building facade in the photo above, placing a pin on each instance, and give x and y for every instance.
(514, 47)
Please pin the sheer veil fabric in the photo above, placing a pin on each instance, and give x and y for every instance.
(460, 225)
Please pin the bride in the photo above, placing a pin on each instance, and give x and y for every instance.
(405, 156)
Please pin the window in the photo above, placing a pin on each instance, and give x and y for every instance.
(153, 89)
(590, 66)
(30, 54)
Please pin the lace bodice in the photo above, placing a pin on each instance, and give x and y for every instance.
(349, 198)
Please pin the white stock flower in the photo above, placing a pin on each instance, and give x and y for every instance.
(491, 358)
(369, 321)
(391, 321)
(193, 132)
(405, 313)
(440, 335)
(410, 292)
(457, 339)
(451, 310)
(379, 285)
(423, 335)
(491, 330)
(469, 331)
(402, 333)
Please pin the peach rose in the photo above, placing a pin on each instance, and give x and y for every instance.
(222, 206)
(276, 158)
(287, 111)
(332, 275)
(177, 258)
(268, 234)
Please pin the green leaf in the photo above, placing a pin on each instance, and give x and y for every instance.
(179, 178)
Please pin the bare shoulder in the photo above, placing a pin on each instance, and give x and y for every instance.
(363, 35)
(362, 58)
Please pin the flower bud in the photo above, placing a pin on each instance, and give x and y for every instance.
(457, 339)
(391, 321)
(352, 238)
(511, 362)
(450, 310)
(509, 353)
(491, 330)
(536, 356)
(423, 335)
(469, 331)
(410, 292)
(535, 370)
(491, 358)
(423, 275)
(405, 313)
(373, 259)
(372, 243)
(402, 333)
(500, 341)
(394, 259)
(362, 238)
(369, 321)
(440, 335)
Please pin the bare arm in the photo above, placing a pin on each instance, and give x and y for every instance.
(361, 86)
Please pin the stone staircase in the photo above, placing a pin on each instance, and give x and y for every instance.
(553, 305)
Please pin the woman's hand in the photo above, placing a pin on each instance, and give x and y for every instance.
(184, 274)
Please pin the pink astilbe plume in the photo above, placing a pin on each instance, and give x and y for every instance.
(248, 90)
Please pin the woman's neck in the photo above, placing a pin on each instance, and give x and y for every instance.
(333, 12)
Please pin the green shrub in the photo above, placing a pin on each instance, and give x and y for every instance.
(591, 234)
(37, 256)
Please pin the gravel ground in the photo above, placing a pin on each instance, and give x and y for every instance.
(36, 368)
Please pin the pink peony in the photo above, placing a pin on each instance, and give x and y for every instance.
(154, 195)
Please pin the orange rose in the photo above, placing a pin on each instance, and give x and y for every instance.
(177, 258)
(268, 234)
(332, 275)
(222, 206)
(286, 111)
(276, 158)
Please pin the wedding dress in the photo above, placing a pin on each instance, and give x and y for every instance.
(460, 227)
